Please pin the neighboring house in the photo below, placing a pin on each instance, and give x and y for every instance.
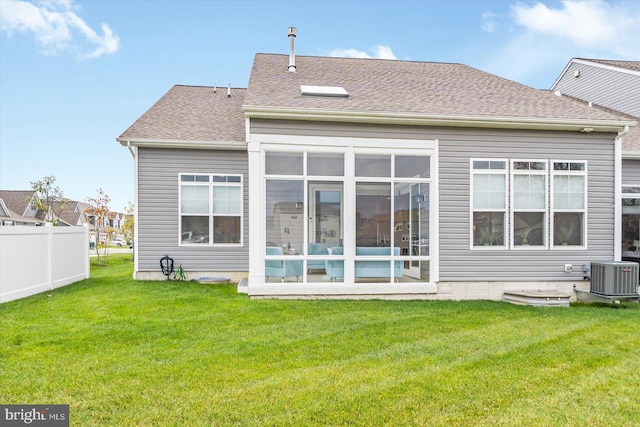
(615, 85)
(116, 220)
(17, 208)
(72, 213)
(375, 178)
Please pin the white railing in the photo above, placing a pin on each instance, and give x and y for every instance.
(38, 259)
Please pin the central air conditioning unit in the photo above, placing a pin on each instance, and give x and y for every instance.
(614, 278)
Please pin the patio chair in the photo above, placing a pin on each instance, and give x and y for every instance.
(281, 268)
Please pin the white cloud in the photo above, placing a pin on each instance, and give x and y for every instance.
(377, 52)
(488, 22)
(54, 25)
(592, 24)
(542, 39)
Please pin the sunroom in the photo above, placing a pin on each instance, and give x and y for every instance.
(342, 216)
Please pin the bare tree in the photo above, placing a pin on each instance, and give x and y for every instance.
(99, 210)
(128, 228)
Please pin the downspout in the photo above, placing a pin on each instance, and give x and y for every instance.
(134, 153)
(617, 233)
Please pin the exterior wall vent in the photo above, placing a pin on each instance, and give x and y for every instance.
(614, 278)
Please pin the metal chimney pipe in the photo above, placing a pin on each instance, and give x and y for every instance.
(292, 56)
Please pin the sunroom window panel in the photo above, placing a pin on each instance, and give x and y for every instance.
(412, 166)
(285, 215)
(373, 215)
(411, 218)
(325, 213)
(325, 164)
(283, 163)
(373, 165)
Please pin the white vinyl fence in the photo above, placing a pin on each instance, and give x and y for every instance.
(37, 259)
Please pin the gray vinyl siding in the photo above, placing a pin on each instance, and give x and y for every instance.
(456, 147)
(613, 89)
(459, 263)
(631, 172)
(158, 208)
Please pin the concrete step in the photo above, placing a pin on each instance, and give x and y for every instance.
(537, 298)
(585, 296)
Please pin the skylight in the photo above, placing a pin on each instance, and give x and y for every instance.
(323, 91)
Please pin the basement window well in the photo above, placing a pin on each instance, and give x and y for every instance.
(337, 91)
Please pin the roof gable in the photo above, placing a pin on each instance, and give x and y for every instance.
(18, 201)
(4, 210)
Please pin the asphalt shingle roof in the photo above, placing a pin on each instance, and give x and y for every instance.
(627, 65)
(391, 86)
(196, 113)
(17, 200)
(192, 113)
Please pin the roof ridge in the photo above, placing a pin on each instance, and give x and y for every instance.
(362, 59)
(608, 60)
(210, 86)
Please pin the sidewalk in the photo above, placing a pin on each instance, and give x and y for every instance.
(92, 252)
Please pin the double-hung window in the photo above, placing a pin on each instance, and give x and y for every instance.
(489, 206)
(529, 203)
(569, 203)
(210, 209)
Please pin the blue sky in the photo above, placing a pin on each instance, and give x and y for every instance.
(75, 74)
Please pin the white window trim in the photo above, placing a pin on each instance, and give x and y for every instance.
(210, 215)
(512, 210)
(553, 173)
(506, 226)
(350, 147)
(549, 211)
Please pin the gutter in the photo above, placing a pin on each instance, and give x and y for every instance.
(577, 125)
(624, 131)
(180, 143)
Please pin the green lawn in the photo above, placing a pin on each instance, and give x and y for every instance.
(126, 353)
